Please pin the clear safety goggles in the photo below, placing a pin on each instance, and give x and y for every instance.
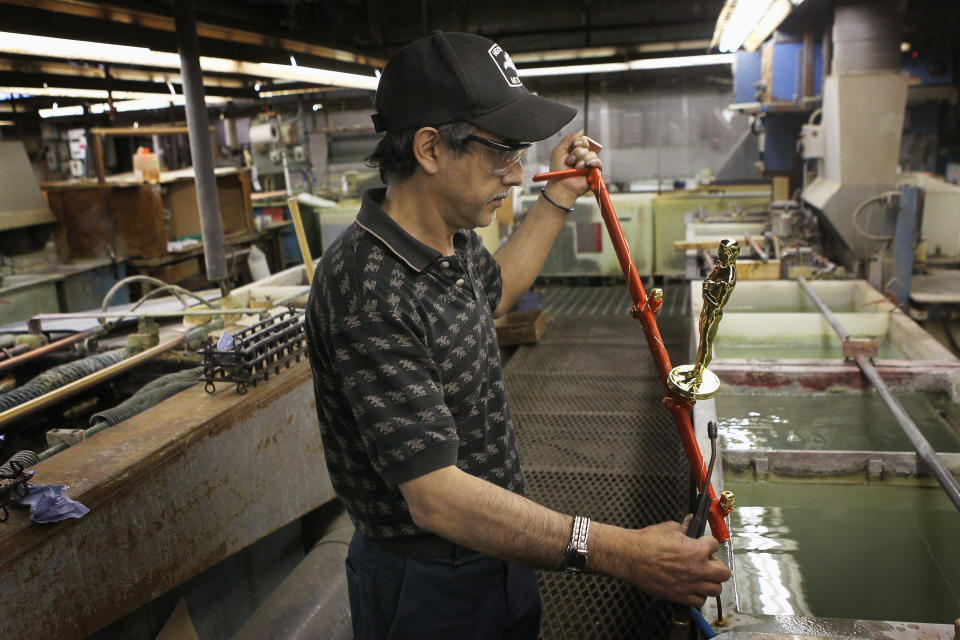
(504, 155)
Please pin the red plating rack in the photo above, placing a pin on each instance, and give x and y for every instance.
(644, 310)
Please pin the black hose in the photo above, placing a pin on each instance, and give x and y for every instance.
(60, 376)
(147, 396)
(25, 459)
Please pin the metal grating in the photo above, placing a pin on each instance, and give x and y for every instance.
(587, 301)
(610, 300)
(599, 359)
(619, 330)
(597, 606)
(594, 439)
(574, 394)
(639, 444)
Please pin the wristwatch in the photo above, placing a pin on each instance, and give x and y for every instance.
(575, 556)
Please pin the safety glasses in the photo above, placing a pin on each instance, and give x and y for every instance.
(505, 156)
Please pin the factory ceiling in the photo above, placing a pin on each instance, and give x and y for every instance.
(349, 37)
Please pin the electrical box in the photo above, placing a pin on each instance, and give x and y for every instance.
(811, 135)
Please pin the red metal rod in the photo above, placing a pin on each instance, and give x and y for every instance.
(53, 346)
(678, 407)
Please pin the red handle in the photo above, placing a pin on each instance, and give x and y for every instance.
(678, 407)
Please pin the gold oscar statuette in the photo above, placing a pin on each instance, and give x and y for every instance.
(695, 381)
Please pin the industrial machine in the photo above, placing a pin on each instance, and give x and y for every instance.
(280, 149)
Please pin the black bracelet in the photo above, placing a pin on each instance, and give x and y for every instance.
(559, 206)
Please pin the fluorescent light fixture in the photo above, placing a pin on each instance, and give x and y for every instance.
(22, 44)
(586, 53)
(293, 61)
(747, 23)
(309, 74)
(681, 61)
(67, 92)
(57, 112)
(633, 65)
(121, 106)
(6, 123)
(276, 93)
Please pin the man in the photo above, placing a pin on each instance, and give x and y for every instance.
(410, 395)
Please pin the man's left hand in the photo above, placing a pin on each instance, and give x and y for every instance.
(575, 151)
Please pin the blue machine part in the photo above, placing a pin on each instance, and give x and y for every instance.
(903, 251)
(746, 73)
(780, 141)
(786, 84)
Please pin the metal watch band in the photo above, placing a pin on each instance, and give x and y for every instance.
(575, 556)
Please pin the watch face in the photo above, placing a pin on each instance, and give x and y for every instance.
(576, 561)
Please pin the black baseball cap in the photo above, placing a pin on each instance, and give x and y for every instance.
(449, 77)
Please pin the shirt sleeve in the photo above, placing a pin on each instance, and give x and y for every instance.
(393, 387)
(487, 270)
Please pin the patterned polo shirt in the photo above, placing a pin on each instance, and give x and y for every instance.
(406, 367)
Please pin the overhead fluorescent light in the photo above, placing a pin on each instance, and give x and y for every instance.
(6, 123)
(67, 92)
(633, 65)
(121, 106)
(681, 61)
(56, 112)
(276, 93)
(311, 74)
(586, 53)
(747, 23)
(23, 44)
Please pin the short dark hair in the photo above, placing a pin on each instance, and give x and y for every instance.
(394, 153)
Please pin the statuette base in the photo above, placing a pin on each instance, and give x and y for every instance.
(708, 387)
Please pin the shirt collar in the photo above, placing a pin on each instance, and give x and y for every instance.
(375, 221)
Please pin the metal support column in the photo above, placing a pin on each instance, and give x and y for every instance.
(903, 244)
(923, 448)
(201, 149)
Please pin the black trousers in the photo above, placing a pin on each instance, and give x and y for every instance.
(466, 595)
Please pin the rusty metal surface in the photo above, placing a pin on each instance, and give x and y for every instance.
(816, 375)
(171, 492)
(853, 347)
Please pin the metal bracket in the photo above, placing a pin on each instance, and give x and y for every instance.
(853, 347)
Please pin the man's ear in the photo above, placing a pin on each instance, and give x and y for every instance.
(426, 145)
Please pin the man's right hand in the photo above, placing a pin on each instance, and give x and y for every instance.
(660, 560)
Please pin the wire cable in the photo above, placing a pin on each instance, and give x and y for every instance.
(855, 218)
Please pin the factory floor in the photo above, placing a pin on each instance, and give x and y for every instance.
(595, 440)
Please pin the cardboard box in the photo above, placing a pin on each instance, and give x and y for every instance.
(520, 327)
(146, 166)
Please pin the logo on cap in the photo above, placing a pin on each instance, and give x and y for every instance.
(506, 66)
